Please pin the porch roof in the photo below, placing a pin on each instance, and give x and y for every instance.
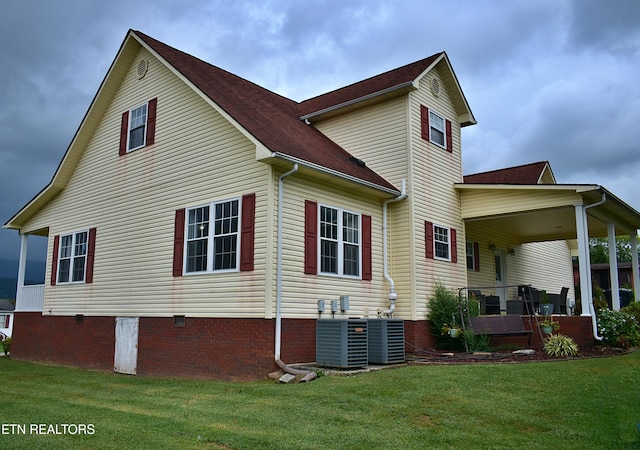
(544, 212)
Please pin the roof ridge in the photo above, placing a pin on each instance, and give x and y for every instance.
(507, 168)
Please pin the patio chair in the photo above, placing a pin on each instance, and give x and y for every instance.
(560, 301)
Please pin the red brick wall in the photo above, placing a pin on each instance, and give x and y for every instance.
(62, 340)
(227, 349)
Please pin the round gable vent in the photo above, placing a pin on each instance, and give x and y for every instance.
(143, 67)
(435, 86)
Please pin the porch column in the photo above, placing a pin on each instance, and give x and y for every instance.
(584, 260)
(633, 238)
(613, 267)
(22, 267)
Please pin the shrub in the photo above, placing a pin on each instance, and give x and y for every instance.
(6, 345)
(560, 345)
(633, 308)
(443, 310)
(476, 342)
(618, 328)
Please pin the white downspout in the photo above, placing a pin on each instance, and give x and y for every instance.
(278, 342)
(594, 320)
(392, 287)
(306, 375)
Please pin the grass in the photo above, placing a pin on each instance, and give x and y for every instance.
(577, 404)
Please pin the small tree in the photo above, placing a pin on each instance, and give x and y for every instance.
(443, 310)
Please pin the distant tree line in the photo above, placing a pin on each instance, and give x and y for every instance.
(599, 248)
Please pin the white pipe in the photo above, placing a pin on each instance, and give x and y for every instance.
(278, 342)
(392, 287)
(594, 320)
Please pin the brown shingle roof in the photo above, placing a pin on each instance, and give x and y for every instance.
(378, 83)
(525, 174)
(271, 118)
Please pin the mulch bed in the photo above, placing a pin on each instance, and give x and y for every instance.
(436, 357)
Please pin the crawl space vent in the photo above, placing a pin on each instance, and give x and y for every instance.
(143, 67)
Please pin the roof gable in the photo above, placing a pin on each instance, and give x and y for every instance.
(271, 119)
(534, 173)
(380, 87)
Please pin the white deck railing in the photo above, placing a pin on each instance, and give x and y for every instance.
(31, 298)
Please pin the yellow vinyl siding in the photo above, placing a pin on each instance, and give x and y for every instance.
(432, 195)
(377, 135)
(132, 199)
(301, 291)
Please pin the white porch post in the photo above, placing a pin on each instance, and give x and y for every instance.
(633, 238)
(584, 260)
(22, 267)
(613, 267)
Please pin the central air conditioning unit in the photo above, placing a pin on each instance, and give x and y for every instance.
(386, 341)
(341, 343)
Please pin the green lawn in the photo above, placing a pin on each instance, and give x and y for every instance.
(582, 404)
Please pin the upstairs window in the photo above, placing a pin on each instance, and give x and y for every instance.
(437, 129)
(138, 127)
(441, 242)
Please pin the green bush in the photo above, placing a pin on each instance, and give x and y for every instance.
(443, 311)
(476, 342)
(633, 309)
(560, 345)
(618, 328)
(6, 345)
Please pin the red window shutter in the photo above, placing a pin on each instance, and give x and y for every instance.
(424, 122)
(449, 136)
(91, 254)
(476, 257)
(178, 242)
(248, 232)
(454, 245)
(310, 237)
(54, 260)
(151, 121)
(367, 271)
(124, 129)
(428, 238)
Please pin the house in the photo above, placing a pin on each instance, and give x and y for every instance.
(6, 317)
(197, 218)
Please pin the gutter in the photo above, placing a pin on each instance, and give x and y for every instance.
(335, 173)
(392, 287)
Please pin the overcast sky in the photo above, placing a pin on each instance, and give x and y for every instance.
(554, 80)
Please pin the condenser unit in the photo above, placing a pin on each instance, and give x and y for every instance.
(386, 341)
(341, 343)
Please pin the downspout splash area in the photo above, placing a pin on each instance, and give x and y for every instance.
(392, 287)
(306, 375)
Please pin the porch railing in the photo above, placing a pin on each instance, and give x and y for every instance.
(31, 298)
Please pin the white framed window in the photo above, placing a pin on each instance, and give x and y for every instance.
(72, 257)
(212, 237)
(471, 256)
(137, 127)
(340, 249)
(437, 129)
(441, 243)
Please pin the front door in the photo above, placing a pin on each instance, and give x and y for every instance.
(126, 356)
(501, 278)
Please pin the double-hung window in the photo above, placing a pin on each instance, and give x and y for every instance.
(441, 243)
(72, 257)
(437, 129)
(212, 237)
(340, 246)
(137, 127)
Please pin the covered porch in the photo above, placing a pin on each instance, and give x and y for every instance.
(529, 234)
(29, 297)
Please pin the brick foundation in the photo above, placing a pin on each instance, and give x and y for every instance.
(226, 349)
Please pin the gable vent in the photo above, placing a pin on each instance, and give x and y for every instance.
(435, 86)
(143, 67)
